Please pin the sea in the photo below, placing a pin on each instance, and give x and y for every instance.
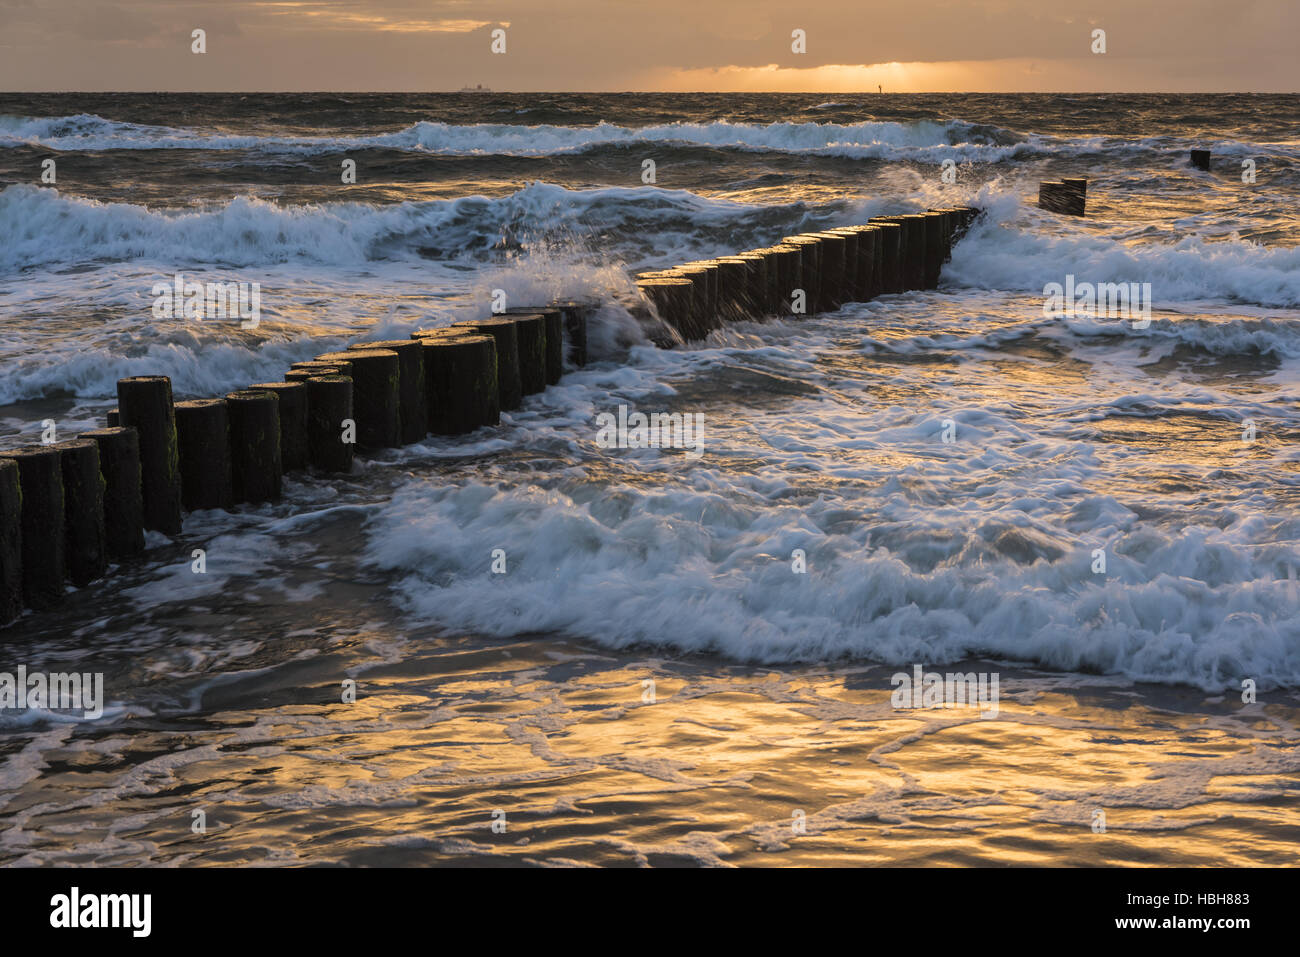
(524, 647)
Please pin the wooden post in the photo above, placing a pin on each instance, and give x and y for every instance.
(113, 418)
(701, 320)
(44, 536)
(503, 331)
(11, 542)
(119, 464)
(462, 383)
(935, 232)
(376, 396)
(810, 264)
(1201, 159)
(833, 248)
(890, 241)
(145, 404)
(672, 301)
(255, 468)
(302, 375)
(530, 333)
(414, 405)
(553, 320)
(329, 412)
(575, 330)
(732, 274)
(788, 261)
(203, 446)
(83, 510)
(340, 366)
(294, 455)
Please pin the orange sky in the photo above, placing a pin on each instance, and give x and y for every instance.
(914, 46)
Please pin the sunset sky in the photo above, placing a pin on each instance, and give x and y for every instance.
(672, 45)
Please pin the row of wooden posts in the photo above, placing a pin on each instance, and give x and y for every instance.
(808, 273)
(69, 508)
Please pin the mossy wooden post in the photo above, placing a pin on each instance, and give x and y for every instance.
(553, 323)
(255, 469)
(891, 244)
(857, 273)
(704, 273)
(302, 375)
(672, 301)
(294, 456)
(340, 366)
(329, 412)
(145, 404)
(868, 261)
(461, 371)
(509, 388)
(376, 396)
(831, 291)
(44, 536)
(786, 262)
(83, 510)
(203, 447)
(946, 219)
(119, 464)
(701, 315)
(530, 333)
(575, 330)
(11, 542)
(810, 270)
(732, 274)
(414, 405)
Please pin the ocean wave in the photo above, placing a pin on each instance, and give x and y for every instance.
(701, 570)
(1004, 252)
(919, 139)
(43, 227)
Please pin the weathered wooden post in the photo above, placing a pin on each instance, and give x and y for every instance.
(339, 366)
(44, 535)
(672, 301)
(575, 330)
(83, 510)
(833, 251)
(1201, 159)
(329, 422)
(530, 333)
(892, 246)
(203, 448)
(376, 396)
(145, 404)
(788, 261)
(810, 266)
(294, 454)
(414, 405)
(553, 320)
(119, 464)
(461, 371)
(255, 467)
(506, 335)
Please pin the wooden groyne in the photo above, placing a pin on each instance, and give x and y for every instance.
(69, 510)
(809, 273)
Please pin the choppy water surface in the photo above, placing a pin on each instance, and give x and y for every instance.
(525, 693)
